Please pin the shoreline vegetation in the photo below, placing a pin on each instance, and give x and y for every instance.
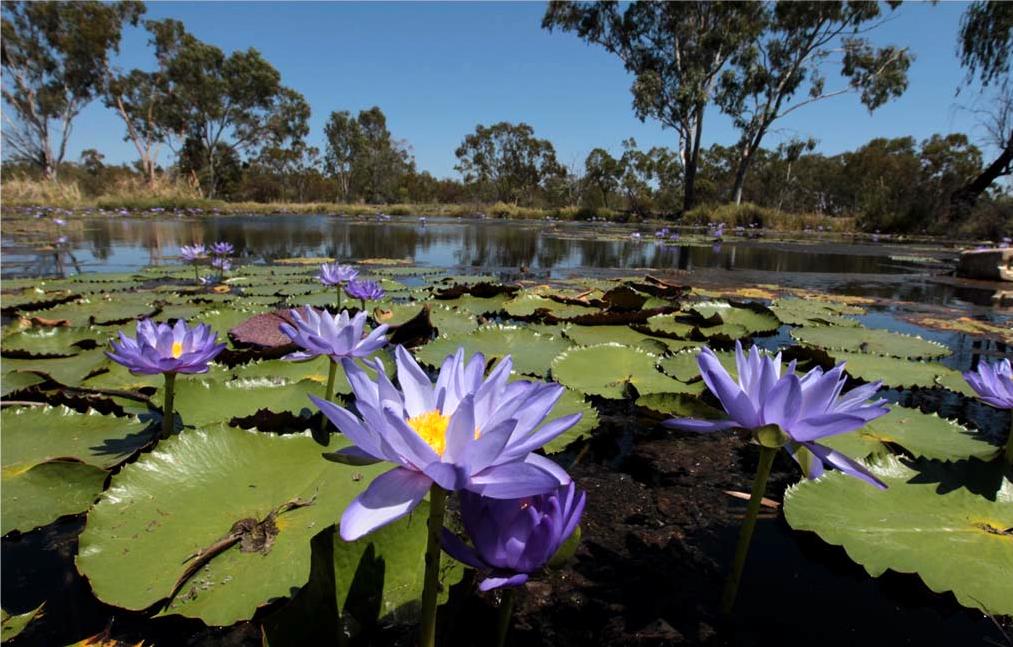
(27, 193)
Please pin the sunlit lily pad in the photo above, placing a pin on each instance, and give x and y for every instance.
(720, 318)
(35, 495)
(685, 367)
(69, 371)
(271, 493)
(450, 321)
(957, 541)
(33, 435)
(902, 373)
(201, 402)
(592, 335)
(14, 381)
(572, 402)
(679, 405)
(52, 341)
(11, 626)
(608, 369)
(525, 305)
(804, 312)
(478, 305)
(530, 350)
(919, 433)
(872, 341)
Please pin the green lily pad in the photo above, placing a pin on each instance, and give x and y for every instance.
(805, 312)
(33, 435)
(668, 324)
(272, 493)
(720, 318)
(450, 321)
(921, 434)
(478, 305)
(15, 381)
(525, 305)
(607, 369)
(572, 402)
(679, 405)
(871, 341)
(902, 373)
(202, 402)
(40, 494)
(592, 335)
(102, 311)
(530, 350)
(11, 626)
(957, 541)
(52, 341)
(69, 371)
(684, 366)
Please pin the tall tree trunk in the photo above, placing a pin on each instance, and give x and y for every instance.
(692, 160)
(967, 196)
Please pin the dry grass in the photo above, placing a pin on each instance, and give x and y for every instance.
(743, 215)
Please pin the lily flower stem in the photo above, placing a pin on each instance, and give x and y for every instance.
(1009, 441)
(167, 411)
(431, 584)
(196, 274)
(339, 297)
(746, 531)
(332, 373)
(506, 610)
(363, 302)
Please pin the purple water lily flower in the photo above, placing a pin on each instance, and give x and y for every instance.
(223, 248)
(465, 432)
(805, 408)
(364, 290)
(333, 274)
(160, 348)
(318, 332)
(513, 538)
(221, 264)
(60, 222)
(993, 383)
(193, 253)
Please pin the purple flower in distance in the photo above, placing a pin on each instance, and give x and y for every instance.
(805, 408)
(318, 332)
(222, 248)
(221, 263)
(465, 432)
(333, 274)
(993, 383)
(160, 348)
(60, 222)
(193, 253)
(364, 290)
(512, 538)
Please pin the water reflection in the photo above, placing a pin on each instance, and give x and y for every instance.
(545, 249)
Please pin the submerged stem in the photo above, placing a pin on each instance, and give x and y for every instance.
(167, 411)
(1009, 441)
(431, 584)
(506, 610)
(746, 531)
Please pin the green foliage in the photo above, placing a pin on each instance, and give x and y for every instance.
(955, 541)
(506, 161)
(365, 160)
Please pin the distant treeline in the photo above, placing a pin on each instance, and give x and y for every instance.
(223, 126)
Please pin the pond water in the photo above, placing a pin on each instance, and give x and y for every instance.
(540, 249)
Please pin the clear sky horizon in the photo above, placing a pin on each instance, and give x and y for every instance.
(439, 69)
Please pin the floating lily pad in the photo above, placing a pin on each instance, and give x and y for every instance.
(572, 402)
(40, 494)
(607, 370)
(592, 335)
(685, 366)
(52, 341)
(803, 312)
(902, 373)
(69, 371)
(202, 402)
(15, 381)
(450, 321)
(668, 324)
(33, 435)
(872, 341)
(530, 350)
(525, 305)
(720, 318)
(679, 405)
(271, 493)
(919, 433)
(102, 311)
(957, 541)
(11, 626)
(478, 305)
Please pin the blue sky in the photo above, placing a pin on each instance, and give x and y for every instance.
(438, 69)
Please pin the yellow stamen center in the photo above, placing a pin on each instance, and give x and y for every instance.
(177, 349)
(431, 427)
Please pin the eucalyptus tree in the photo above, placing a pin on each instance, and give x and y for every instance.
(139, 99)
(229, 105)
(55, 56)
(985, 45)
(364, 158)
(782, 68)
(602, 171)
(507, 160)
(676, 51)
